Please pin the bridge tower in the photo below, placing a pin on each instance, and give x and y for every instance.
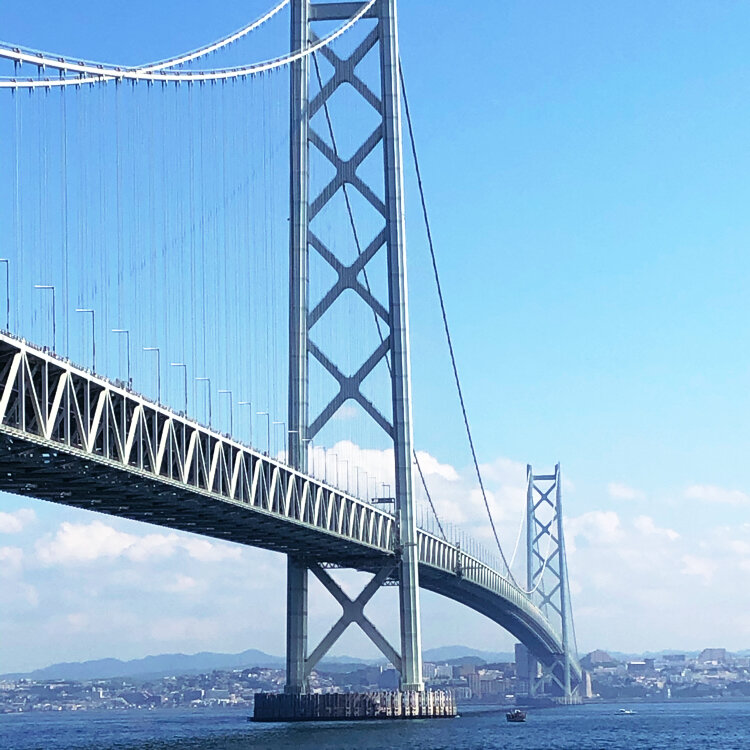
(391, 317)
(547, 578)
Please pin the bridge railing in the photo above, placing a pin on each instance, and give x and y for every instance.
(447, 556)
(460, 538)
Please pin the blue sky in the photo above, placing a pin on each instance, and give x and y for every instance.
(586, 172)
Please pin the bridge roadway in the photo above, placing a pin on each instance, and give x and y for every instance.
(72, 437)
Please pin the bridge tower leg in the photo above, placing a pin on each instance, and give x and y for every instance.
(296, 629)
(547, 578)
(392, 315)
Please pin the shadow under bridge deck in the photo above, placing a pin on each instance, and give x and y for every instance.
(72, 437)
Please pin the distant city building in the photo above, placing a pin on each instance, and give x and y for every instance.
(674, 658)
(713, 656)
(523, 662)
(596, 659)
(443, 671)
(587, 690)
(637, 667)
(464, 669)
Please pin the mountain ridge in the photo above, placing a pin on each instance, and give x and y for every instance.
(161, 665)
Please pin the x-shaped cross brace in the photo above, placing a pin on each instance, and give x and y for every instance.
(353, 612)
(349, 387)
(346, 171)
(347, 278)
(343, 72)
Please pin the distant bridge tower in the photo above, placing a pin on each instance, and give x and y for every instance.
(392, 315)
(547, 577)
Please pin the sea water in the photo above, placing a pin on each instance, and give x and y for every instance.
(672, 726)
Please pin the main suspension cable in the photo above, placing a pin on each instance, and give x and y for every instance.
(97, 73)
(445, 324)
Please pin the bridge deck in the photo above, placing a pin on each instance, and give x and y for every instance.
(72, 437)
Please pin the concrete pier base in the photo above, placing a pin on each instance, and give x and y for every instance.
(386, 704)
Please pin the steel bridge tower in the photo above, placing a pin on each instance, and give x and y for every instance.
(547, 578)
(394, 320)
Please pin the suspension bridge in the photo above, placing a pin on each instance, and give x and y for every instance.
(201, 229)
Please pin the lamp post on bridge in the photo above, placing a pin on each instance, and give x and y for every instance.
(299, 437)
(250, 404)
(184, 367)
(231, 410)
(345, 461)
(268, 430)
(7, 292)
(210, 415)
(312, 454)
(89, 311)
(158, 369)
(335, 464)
(127, 345)
(51, 288)
(283, 424)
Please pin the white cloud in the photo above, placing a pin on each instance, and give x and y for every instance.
(712, 494)
(86, 542)
(179, 629)
(11, 560)
(595, 528)
(77, 622)
(619, 491)
(347, 411)
(505, 471)
(699, 567)
(646, 525)
(182, 584)
(13, 523)
(432, 467)
(206, 551)
(739, 547)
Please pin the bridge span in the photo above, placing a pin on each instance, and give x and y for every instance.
(73, 437)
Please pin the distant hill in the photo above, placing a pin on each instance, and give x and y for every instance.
(206, 661)
(173, 664)
(444, 654)
(153, 666)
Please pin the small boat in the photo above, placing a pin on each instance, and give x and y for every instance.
(516, 715)
(626, 712)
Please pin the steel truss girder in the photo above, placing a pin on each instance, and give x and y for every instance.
(53, 403)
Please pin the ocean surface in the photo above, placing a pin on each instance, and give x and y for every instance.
(677, 726)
